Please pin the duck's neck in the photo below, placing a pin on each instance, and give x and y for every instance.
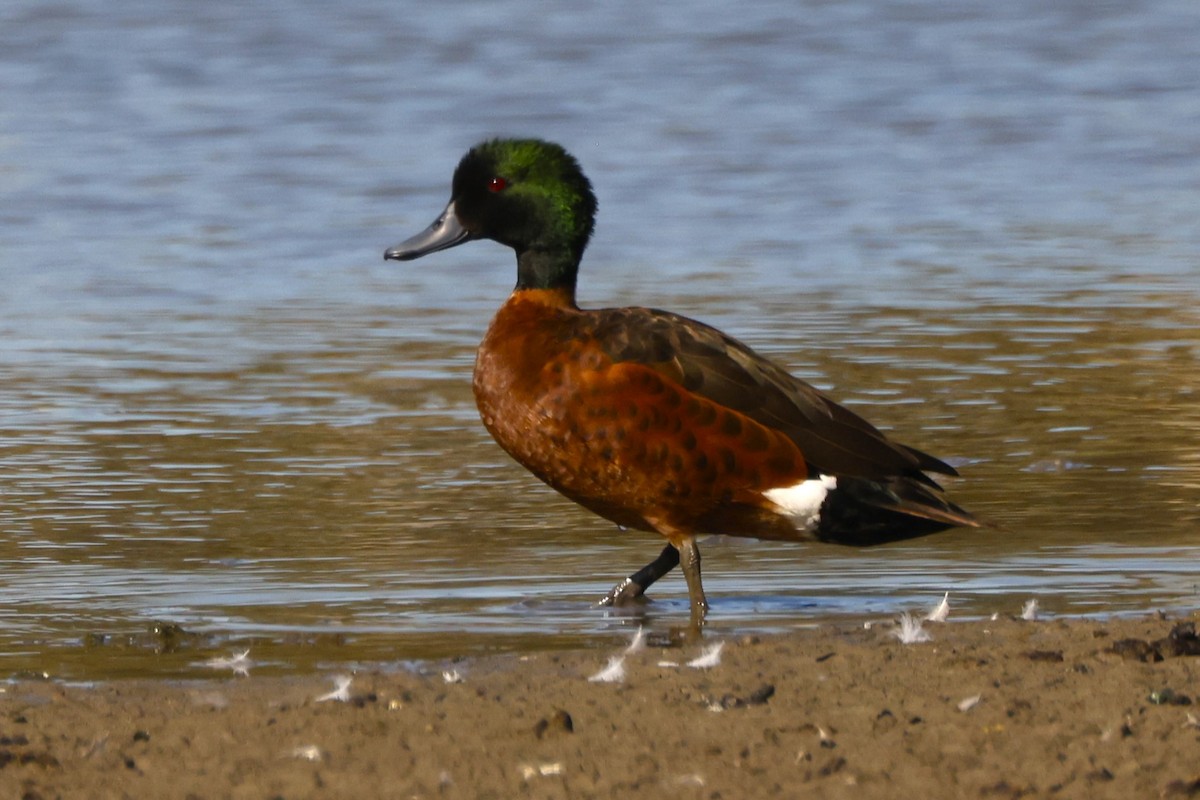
(551, 301)
(543, 269)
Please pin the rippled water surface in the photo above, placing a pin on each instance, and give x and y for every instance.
(225, 423)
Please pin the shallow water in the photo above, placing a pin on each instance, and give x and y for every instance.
(225, 423)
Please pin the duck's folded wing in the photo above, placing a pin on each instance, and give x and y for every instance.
(701, 359)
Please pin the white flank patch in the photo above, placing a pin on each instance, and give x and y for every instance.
(940, 612)
(613, 673)
(802, 502)
(910, 630)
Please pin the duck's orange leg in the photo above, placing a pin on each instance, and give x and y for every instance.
(683, 540)
(683, 551)
(689, 559)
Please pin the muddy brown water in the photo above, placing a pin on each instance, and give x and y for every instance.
(226, 424)
(343, 504)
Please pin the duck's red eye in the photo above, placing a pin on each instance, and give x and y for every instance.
(497, 184)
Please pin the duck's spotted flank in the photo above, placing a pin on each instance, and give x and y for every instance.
(652, 420)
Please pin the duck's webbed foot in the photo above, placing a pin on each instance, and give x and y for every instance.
(634, 587)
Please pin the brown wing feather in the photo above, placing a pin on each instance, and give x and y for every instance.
(703, 360)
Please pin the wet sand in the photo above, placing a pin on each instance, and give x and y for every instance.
(994, 709)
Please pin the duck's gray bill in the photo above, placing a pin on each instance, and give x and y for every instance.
(445, 232)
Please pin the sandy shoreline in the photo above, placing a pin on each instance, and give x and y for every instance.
(1003, 708)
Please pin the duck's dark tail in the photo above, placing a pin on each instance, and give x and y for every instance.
(863, 512)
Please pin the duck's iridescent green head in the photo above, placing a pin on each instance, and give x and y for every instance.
(524, 193)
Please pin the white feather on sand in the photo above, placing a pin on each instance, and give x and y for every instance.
(910, 630)
(709, 658)
(1029, 611)
(240, 663)
(940, 612)
(341, 692)
(969, 703)
(614, 672)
